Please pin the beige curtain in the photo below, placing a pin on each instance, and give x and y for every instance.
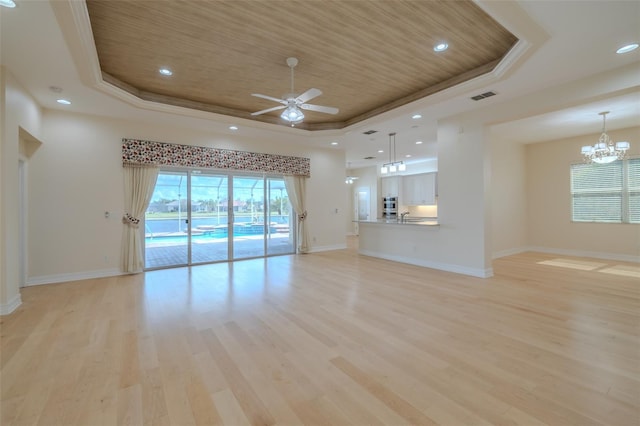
(139, 183)
(296, 190)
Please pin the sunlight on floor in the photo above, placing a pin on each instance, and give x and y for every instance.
(573, 264)
(583, 265)
(627, 271)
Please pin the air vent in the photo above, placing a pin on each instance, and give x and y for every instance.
(370, 132)
(483, 95)
(369, 158)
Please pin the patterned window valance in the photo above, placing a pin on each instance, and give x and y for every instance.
(135, 151)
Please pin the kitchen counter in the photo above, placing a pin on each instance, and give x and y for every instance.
(412, 241)
(418, 221)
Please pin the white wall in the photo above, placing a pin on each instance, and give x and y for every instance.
(464, 166)
(77, 175)
(549, 203)
(508, 198)
(19, 110)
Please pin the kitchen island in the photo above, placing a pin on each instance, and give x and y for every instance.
(420, 221)
(416, 241)
(413, 240)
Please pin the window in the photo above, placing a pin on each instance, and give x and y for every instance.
(607, 193)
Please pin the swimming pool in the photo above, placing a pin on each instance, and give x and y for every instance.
(213, 234)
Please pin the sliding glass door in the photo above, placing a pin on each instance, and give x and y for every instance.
(248, 229)
(201, 217)
(279, 218)
(209, 217)
(167, 222)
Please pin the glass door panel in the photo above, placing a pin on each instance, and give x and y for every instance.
(209, 217)
(248, 215)
(166, 222)
(279, 232)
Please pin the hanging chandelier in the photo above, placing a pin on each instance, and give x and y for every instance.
(393, 166)
(604, 151)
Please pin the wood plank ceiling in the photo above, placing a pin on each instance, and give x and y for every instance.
(367, 57)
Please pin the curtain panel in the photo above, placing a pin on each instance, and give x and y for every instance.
(159, 154)
(296, 190)
(139, 183)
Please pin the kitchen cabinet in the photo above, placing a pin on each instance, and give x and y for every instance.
(390, 186)
(419, 190)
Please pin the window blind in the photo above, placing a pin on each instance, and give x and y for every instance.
(606, 192)
(634, 189)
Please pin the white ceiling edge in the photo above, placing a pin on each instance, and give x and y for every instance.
(624, 112)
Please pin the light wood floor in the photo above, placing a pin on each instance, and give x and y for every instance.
(329, 338)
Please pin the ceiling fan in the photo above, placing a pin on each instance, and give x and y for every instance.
(293, 104)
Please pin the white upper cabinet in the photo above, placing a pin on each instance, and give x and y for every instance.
(419, 190)
(390, 186)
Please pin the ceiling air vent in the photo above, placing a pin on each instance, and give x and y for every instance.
(369, 158)
(369, 132)
(483, 95)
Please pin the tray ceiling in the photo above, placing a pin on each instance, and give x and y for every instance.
(367, 57)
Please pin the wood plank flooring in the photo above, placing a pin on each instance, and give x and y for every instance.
(329, 338)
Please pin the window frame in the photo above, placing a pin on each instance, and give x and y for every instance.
(625, 191)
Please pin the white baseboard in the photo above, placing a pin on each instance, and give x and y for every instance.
(584, 253)
(74, 276)
(10, 306)
(509, 252)
(327, 248)
(458, 269)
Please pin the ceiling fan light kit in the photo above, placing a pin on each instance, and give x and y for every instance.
(292, 115)
(292, 104)
(604, 151)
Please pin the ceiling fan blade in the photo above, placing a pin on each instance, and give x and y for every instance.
(308, 95)
(318, 108)
(264, 111)
(270, 98)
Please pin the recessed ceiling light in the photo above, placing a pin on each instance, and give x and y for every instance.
(8, 3)
(165, 71)
(408, 156)
(233, 127)
(440, 47)
(627, 48)
(63, 102)
(416, 116)
(334, 143)
(418, 142)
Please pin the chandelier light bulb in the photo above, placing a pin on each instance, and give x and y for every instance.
(604, 151)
